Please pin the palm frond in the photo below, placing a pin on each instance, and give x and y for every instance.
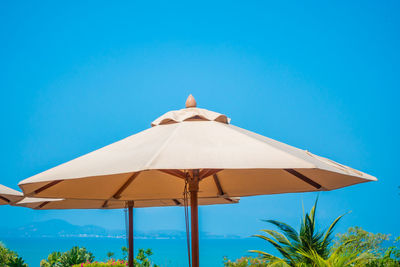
(272, 260)
(307, 247)
(329, 232)
(278, 236)
(265, 255)
(281, 249)
(312, 212)
(288, 231)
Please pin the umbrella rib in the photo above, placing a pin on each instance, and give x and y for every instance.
(5, 199)
(41, 189)
(117, 195)
(207, 172)
(230, 199)
(105, 204)
(304, 178)
(176, 173)
(177, 202)
(42, 204)
(220, 190)
(218, 184)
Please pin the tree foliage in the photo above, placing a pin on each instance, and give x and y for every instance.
(358, 239)
(10, 258)
(377, 245)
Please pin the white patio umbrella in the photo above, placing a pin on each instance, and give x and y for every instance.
(9, 196)
(197, 147)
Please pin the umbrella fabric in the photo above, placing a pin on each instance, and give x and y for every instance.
(196, 150)
(8, 195)
(52, 204)
(152, 164)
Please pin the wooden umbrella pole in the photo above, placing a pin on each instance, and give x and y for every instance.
(130, 257)
(194, 219)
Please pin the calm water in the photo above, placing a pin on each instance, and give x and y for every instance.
(167, 252)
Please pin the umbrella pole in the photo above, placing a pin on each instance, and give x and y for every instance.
(130, 257)
(194, 219)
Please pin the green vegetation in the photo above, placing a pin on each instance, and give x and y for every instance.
(360, 241)
(110, 254)
(10, 258)
(114, 263)
(143, 258)
(52, 260)
(312, 247)
(302, 246)
(124, 253)
(79, 257)
(76, 255)
(245, 262)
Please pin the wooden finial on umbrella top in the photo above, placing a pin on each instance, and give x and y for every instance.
(190, 102)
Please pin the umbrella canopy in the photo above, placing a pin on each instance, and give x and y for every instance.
(9, 196)
(194, 149)
(152, 164)
(60, 204)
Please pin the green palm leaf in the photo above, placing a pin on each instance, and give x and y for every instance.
(289, 231)
(329, 232)
(278, 236)
(276, 245)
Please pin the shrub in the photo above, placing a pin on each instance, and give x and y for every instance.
(76, 255)
(17, 262)
(244, 262)
(10, 258)
(111, 262)
(52, 260)
(142, 259)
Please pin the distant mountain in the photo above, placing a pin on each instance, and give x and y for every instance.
(56, 228)
(60, 228)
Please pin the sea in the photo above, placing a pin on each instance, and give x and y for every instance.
(166, 252)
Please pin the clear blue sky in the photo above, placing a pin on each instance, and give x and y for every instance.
(322, 76)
